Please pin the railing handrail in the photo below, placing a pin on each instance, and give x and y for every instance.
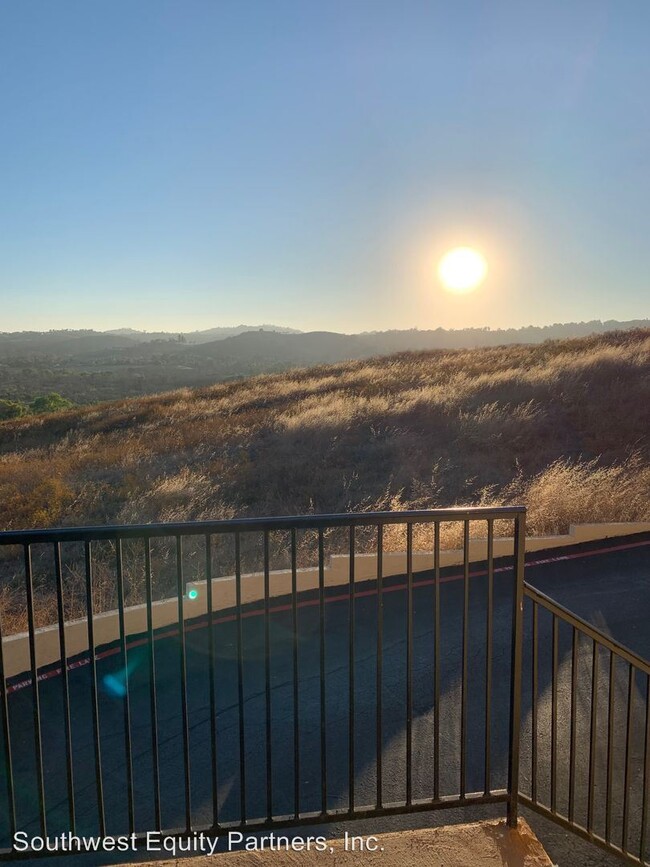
(582, 625)
(235, 525)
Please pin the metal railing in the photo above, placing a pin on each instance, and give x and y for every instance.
(301, 702)
(259, 674)
(590, 720)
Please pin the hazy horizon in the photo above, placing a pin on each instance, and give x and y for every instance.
(168, 163)
(283, 328)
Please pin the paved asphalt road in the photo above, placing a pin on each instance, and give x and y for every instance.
(610, 589)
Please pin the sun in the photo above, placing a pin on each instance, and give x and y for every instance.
(462, 270)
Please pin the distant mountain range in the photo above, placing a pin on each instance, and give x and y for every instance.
(70, 341)
(290, 343)
(218, 333)
(87, 366)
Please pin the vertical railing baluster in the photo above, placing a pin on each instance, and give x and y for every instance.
(610, 745)
(99, 783)
(126, 708)
(180, 592)
(463, 682)
(351, 724)
(488, 656)
(409, 662)
(515, 667)
(153, 710)
(6, 739)
(574, 721)
(211, 660)
(592, 738)
(65, 684)
(240, 681)
(534, 695)
(436, 661)
(38, 747)
(296, 707)
(554, 678)
(380, 662)
(267, 679)
(323, 720)
(646, 775)
(628, 756)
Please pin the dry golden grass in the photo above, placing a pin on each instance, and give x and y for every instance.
(428, 428)
(561, 426)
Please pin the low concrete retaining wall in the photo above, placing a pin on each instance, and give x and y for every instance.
(165, 612)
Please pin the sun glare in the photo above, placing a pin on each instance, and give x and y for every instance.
(462, 270)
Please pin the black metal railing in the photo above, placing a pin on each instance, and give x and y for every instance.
(588, 734)
(270, 673)
(291, 697)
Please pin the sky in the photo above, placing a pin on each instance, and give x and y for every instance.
(182, 165)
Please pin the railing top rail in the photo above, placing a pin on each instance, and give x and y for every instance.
(582, 625)
(243, 525)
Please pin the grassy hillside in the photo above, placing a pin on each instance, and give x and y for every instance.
(562, 426)
(88, 366)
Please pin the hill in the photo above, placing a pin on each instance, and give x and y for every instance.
(90, 366)
(217, 333)
(562, 425)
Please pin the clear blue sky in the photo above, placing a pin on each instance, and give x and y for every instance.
(305, 162)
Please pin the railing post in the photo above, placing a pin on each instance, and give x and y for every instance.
(515, 668)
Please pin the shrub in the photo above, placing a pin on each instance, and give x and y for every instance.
(51, 402)
(11, 409)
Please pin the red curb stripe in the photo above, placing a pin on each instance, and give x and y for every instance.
(342, 597)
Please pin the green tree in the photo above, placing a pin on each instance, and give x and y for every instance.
(11, 409)
(51, 402)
